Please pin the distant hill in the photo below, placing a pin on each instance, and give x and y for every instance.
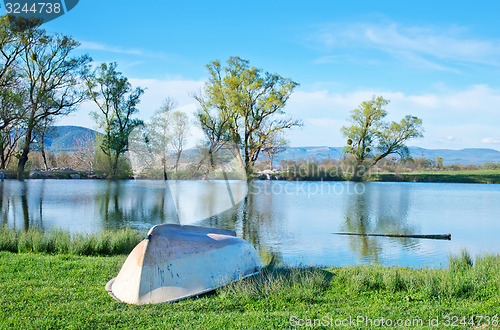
(475, 156)
(64, 139)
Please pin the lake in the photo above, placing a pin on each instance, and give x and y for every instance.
(295, 222)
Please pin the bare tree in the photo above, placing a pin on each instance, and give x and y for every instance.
(274, 145)
(180, 133)
(159, 132)
(84, 153)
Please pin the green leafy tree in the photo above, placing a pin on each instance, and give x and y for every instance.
(370, 139)
(117, 101)
(439, 161)
(12, 117)
(15, 34)
(13, 94)
(51, 76)
(244, 106)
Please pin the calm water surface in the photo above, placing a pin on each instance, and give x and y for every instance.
(293, 221)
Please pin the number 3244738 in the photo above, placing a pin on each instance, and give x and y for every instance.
(35, 8)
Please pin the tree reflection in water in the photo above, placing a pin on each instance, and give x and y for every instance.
(255, 219)
(119, 205)
(377, 211)
(279, 218)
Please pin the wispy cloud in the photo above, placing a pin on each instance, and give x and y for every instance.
(433, 47)
(452, 118)
(100, 47)
(90, 45)
(491, 140)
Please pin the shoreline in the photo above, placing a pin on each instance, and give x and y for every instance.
(480, 176)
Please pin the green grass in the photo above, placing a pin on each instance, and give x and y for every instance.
(480, 176)
(42, 291)
(107, 242)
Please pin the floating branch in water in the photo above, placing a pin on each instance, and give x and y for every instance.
(445, 236)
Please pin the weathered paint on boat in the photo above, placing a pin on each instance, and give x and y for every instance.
(175, 262)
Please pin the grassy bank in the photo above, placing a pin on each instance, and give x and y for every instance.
(107, 242)
(53, 291)
(472, 176)
(445, 176)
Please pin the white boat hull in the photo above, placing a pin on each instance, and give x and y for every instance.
(176, 262)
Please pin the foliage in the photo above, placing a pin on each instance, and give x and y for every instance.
(448, 176)
(370, 139)
(103, 166)
(490, 166)
(50, 75)
(311, 170)
(117, 102)
(244, 107)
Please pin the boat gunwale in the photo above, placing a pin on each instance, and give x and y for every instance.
(109, 289)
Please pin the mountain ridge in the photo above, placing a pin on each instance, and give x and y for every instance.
(64, 139)
(466, 156)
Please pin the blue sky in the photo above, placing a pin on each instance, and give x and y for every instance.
(438, 60)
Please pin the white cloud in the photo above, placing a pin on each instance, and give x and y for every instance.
(156, 91)
(491, 140)
(432, 47)
(451, 118)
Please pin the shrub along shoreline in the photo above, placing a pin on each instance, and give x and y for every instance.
(52, 285)
(470, 176)
(487, 177)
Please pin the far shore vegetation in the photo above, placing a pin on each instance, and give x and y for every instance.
(70, 166)
(61, 289)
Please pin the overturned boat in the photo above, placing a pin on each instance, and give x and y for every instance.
(176, 262)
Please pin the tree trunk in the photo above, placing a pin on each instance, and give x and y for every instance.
(164, 164)
(177, 160)
(2, 159)
(24, 203)
(43, 154)
(271, 158)
(114, 168)
(21, 165)
(24, 155)
(359, 171)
